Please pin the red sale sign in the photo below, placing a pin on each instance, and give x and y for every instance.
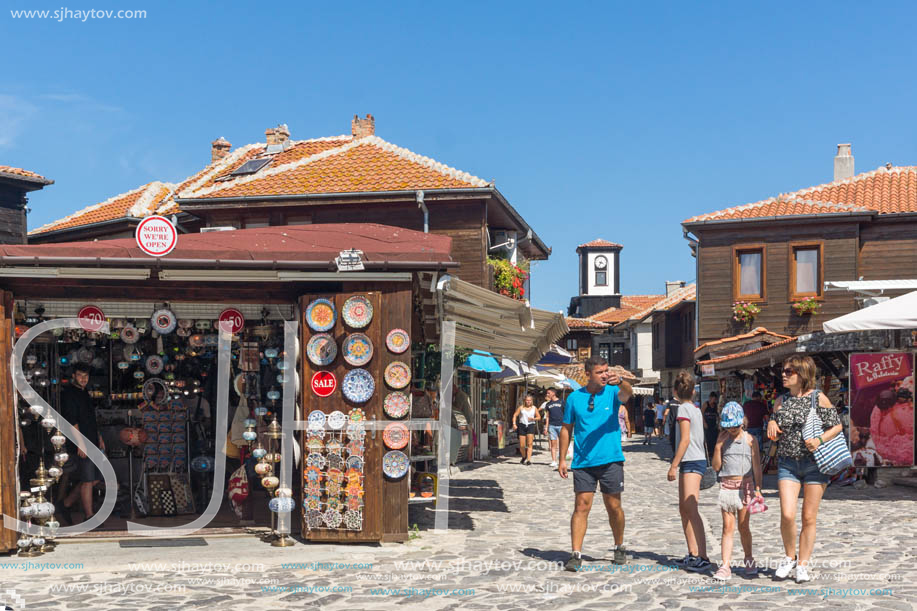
(324, 383)
(91, 318)
(232, 320)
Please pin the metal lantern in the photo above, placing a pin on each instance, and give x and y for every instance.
(270, 481)
(259, 452)
(264, 468)
(48, 423)
(274, 430)
(58, 440)
(55, 472)
(37, 410)
(61, 458)
(284, 492)
(249, 435)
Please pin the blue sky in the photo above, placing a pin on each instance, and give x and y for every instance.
(596, 120)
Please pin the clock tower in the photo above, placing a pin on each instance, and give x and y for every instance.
(599, 278)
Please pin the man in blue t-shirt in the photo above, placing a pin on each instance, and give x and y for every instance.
(591, 417)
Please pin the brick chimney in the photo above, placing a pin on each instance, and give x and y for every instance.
(219, 148)
(361, 128)
(277, 135)
(673, 285)
(843, 162)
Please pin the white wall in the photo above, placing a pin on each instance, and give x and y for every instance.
(589, 260)
(641, 349)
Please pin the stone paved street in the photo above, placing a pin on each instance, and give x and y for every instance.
(509, 530)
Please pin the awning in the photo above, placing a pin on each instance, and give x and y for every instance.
(869, 286)
(493, 323)
(556, 356)
(897, 313)
(639, 390)
(482, 361)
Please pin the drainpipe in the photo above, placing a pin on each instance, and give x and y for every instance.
(426, 213)
(694, 244)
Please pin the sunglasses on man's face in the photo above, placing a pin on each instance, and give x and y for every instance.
(591, 402)
(788, 372)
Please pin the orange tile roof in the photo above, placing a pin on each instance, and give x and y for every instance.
(339, 164)
(630, 305)
(730, 357)
(599, 242)
(887, 190)
(12, 172)
(687, 293)
(759, 332)
(585, 323)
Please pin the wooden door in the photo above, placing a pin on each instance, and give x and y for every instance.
(8, 427)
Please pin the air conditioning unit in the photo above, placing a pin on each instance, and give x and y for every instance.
(871, 301)
(223, 228)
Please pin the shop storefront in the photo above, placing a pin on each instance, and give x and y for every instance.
(153, 383)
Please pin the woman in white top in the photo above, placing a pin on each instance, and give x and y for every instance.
(525, 417)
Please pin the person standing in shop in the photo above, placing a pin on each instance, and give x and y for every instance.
(554, 410)
(591, 418)
(711, 413)
(77, 409)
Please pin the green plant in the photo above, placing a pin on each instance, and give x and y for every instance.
(414, 533)
(431, 363)
(806, 306)
(509, 279)
(745, 312)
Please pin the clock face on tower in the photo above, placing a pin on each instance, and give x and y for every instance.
(601, 262)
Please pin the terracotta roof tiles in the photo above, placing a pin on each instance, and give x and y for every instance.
(19, 173)
(630, 305)
(887, 190)
(585, 323)
(753, 334)
(730, 357)
(599, 243)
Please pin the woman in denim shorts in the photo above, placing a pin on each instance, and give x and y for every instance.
(796, 466)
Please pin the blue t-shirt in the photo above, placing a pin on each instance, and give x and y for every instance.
(596, 434)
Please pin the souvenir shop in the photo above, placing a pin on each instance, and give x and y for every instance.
(153, 379)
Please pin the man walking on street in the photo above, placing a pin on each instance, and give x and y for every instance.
(555, 419)
(591, 417)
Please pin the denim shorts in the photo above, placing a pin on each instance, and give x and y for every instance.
(693, 466)
(800, 470)
(554, 431)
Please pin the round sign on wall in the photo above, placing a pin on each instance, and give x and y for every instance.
(91, 318)
(324, 383)
(233, 318)
(156, 236)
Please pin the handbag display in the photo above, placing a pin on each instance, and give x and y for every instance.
(833, 456)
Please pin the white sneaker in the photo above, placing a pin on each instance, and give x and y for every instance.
(802, 574)
(554, 464)
(783, 569)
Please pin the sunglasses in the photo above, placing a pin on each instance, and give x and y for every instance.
(789, 372)
(591, 402)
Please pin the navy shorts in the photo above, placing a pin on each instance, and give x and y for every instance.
(526, 429)
(610, 478)
(693, 466)
(87, 471)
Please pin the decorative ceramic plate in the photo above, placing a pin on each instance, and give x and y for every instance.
(357, 312)
(334, 446)
(337, 419)
(335, 461)
(357, 349)
(354, 503)
(317, 419)
(396, 405)
(322, 349)
(395, 464)
(396, 435)
(315, 444)
(312, 474)
(397, 374)
(356, 430)
(154, 364)
(315, 460)
(332, 518)
(163, 321)
(333, 489)
(355, 462)
(358, 385)
(335, 476)
(353, 520)
(357, 415)
(398, 341)
(335, 503)
(316, 433)
(355, 448)
(314, 518)
(313, 489)
(353, 476)
(321, 315)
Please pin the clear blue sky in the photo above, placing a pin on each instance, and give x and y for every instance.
(611, 120)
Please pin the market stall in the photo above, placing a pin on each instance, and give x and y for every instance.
(152, 376)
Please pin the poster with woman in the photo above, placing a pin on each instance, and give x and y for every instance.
(882, 409)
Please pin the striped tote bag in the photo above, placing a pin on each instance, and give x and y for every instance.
(833, 456)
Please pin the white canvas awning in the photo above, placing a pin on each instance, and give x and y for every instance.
(897, 313)
(497, 324)
(870, 286)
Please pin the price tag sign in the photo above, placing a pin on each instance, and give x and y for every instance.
(324, 383)
(91, 318)
(232, 320)
(156, 236)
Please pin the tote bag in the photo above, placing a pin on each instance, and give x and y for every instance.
(832, 456)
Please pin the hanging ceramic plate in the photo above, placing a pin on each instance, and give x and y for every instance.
(332, 518)
(315, 460)
(397, 374)
(337, 419)
(163, 321)
(355, 448)
(397, 341)
(313, 517)
(353, 520)
(355, 462)
(335, 475)
(317, 419)
(358, 385)
(315, 444)
(354, 503)
(312, 474)
(396, 405)
(358, 349)
(130, 335)
(322, 349)
(395, 464)
(335, 503)
(356, 430)
(396, 435)
(334, 446)
(335, 461)
(357, 312)
(321, 315)
(154, 364)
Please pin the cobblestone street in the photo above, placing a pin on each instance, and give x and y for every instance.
(509, 532)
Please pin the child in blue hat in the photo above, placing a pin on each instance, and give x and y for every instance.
(737, 461)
